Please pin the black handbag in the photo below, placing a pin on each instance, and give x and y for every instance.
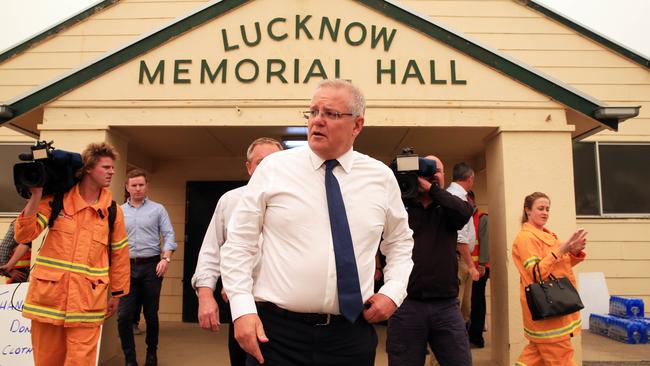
(551, 298)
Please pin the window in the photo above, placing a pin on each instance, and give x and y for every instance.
(11, 202)
(611, 179)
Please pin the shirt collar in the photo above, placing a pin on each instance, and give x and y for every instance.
(128, 200)
(545, 235)
(73, 202)
(457, 188)
(345, 160)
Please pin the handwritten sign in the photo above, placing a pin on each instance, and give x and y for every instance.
(15, 331)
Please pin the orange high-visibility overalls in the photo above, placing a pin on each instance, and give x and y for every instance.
(68, 291)
(549, 339)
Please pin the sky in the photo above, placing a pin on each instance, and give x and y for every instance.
(624, 21)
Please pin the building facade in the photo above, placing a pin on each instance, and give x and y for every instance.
(531, 99)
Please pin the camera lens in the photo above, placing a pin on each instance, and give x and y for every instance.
(32, 175)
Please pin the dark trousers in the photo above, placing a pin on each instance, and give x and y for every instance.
(436, 322)
(293, 342)
(145, 285)
(477, 317)
(237, 354)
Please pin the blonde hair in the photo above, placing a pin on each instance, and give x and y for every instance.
(93, 152)
(529, 201)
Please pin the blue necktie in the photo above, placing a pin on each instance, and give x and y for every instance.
(347, 277)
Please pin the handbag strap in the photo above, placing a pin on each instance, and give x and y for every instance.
(537, 273)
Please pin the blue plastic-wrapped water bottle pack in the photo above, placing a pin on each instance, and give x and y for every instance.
(627, 330)
(626, 307)
(625, 322)
(599, 324)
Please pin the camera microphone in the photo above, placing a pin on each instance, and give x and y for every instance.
(101, 214)
(26, 156)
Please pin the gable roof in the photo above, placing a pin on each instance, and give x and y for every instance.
(61, 26)
(590, 33)
(608, 116)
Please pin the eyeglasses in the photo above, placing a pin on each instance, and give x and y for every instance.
(327, 114)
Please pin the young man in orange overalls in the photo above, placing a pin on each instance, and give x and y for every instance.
(67, 299)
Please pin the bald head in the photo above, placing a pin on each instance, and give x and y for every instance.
(439, 165)
(440, 169)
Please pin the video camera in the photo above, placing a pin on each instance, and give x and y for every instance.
(52, 169)
(407, 167)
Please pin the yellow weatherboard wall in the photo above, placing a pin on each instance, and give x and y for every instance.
(512, 134)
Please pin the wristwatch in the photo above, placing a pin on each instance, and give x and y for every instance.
(167, 259)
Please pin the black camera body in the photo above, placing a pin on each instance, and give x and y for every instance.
(54, 170)
(407, 167)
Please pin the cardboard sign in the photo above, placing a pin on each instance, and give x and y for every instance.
(15, 331)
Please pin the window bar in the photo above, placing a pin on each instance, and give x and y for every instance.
(600, 191)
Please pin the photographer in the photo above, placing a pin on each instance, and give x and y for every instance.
(68, 294)
(430, 314)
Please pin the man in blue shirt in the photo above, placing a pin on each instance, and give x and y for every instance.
(146, 223)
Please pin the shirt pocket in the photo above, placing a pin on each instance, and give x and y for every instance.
(99, 247)
(47, 288)
(60, 239)
(94, 294)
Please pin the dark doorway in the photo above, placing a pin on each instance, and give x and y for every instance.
(201, 200)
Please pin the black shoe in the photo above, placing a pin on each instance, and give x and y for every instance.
(476, 343)
(152, 359)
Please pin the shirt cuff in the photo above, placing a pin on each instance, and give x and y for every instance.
(241, 305)
(204, 281)
(395, 290)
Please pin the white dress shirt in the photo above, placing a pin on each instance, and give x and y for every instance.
(285, 201)
(467, 234)
(207, 266)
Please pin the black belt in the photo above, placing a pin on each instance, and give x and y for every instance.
(314, 319)
(143, 260)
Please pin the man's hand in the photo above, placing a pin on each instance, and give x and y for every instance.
(224, 296)
(424, 184)
(208, 310)
(17, 276)
(161, 268)
(113, 304)
(31, 208)
(473, 272)
(248, 332)
(381, 308)
(481, 270)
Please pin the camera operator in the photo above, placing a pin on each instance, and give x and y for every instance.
(431, 314)
(68, 294)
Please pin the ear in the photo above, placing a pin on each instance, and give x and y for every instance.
(249, 168)
(358, 125)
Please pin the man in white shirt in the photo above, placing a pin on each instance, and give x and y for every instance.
(207, 267)
(314, 289)
(463, 180)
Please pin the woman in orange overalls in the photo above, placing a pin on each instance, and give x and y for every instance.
(549, 339)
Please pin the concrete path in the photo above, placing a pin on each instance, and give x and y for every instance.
(186, 344)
